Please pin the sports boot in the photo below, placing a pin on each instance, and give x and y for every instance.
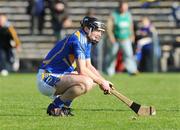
(52, 110)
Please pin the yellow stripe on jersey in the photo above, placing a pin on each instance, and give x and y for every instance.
(78, 34)
(42, 76)
(48, 61)
(74, 64)
(71, 58)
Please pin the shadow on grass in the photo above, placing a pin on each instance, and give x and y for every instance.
(84, 109)
(121, 110)
(169, 110)
(100, 109)
(20, 115)
(116, 110)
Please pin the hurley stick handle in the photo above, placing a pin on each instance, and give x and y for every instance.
(120, 96)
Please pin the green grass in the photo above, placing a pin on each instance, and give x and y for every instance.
(22, 107)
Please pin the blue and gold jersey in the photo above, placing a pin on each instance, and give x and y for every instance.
(61, 58)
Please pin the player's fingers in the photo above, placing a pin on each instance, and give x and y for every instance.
(107, 92)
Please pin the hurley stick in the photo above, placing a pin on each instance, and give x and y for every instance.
(137, 108)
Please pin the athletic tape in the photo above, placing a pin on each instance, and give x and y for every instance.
(135, 107)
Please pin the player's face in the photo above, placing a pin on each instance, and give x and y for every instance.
(124, 7)
(3, 20)
(96, 35)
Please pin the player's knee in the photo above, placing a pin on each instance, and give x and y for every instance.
(88, 84)
(80, 89)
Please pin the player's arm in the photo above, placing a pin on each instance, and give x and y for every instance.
(93, 69)
(15, 38)
(81, 56)
(110, 27)
(84, 70)
(14, 35)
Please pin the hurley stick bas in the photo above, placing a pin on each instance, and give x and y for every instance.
(141, 110)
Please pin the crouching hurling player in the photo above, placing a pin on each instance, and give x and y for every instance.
(58, 78)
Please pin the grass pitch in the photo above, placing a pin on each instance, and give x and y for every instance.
(22, 107)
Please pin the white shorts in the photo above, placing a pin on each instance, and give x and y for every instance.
(44, 87)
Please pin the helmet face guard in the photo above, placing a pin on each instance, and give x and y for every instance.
(93, 24)
(99, 26)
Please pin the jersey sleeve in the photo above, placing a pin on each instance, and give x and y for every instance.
(88, 51)
(79, 51)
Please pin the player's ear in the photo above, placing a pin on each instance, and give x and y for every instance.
(86, 29)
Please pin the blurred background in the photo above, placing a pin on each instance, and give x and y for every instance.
(40, 23)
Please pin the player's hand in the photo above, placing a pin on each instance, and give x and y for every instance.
(105, 86)
(133, 39)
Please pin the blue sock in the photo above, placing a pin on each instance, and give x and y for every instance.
(58, 102)
(68, 103)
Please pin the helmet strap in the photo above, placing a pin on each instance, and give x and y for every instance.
(90, 31)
